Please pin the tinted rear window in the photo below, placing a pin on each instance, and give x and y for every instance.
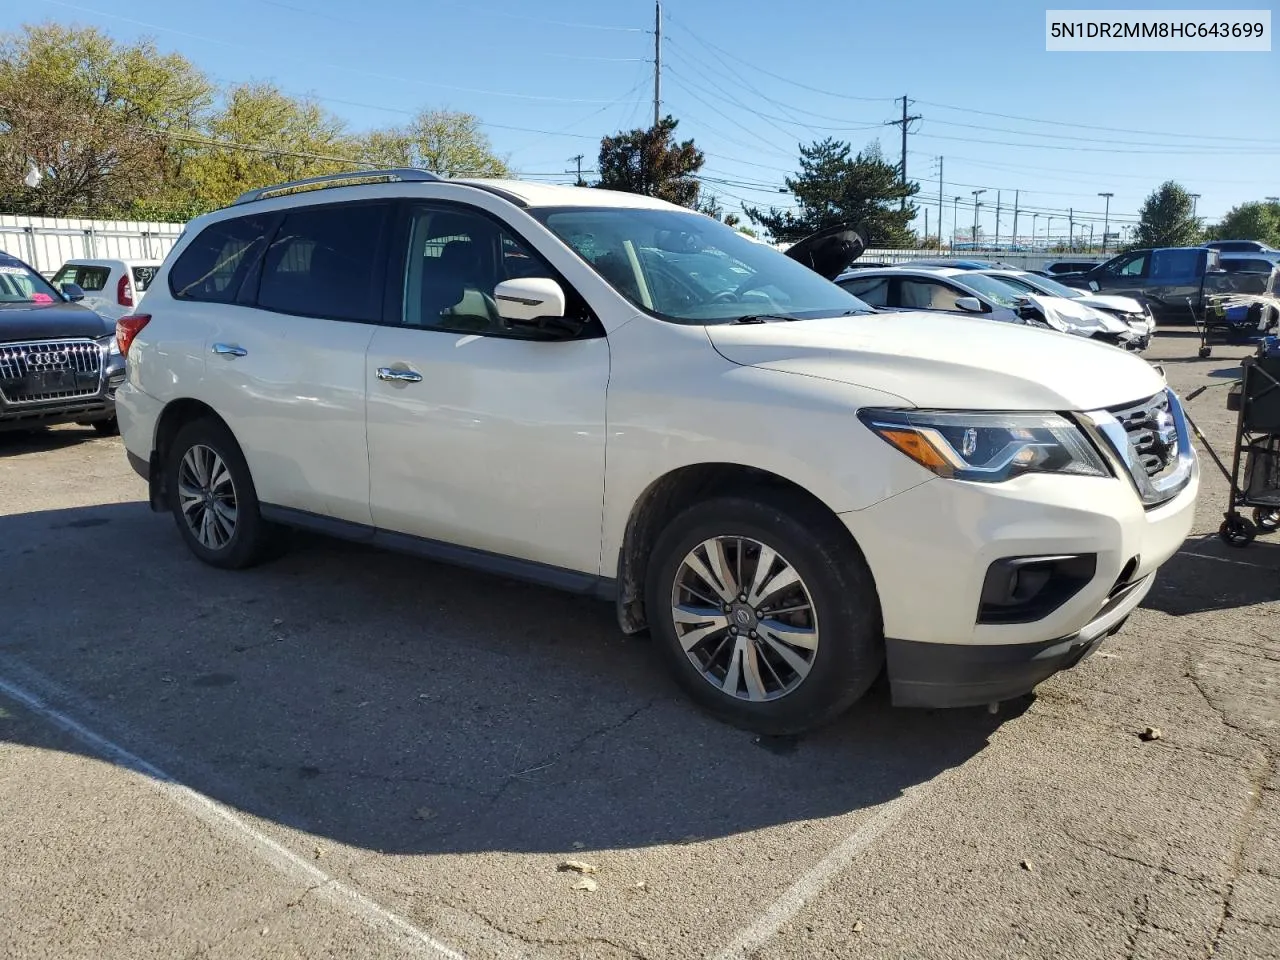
(214, 264)
(89, 279)
(142, 277)
(326, 262)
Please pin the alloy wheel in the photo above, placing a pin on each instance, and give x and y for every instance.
(745, 618)
(207, 496)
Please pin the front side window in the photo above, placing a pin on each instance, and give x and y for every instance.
(688, 268)
(456, 260)
(21, 284)
(1131, 266)
(873, 291)
(928, 295)
(88, 279)
(326, 261)
(214, 264)
(994, 289)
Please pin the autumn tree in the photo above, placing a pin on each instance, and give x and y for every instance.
(833, 186)
(652, 163)
(442, 141)
(92, 116)
(1166, 219)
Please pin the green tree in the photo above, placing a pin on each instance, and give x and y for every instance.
(652, 163)
(833, 187)
(261, 136)
(93, 116)
(1166, 220)
(444, 142)
(1255, 220)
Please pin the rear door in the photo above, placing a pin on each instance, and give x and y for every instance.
(285, 365)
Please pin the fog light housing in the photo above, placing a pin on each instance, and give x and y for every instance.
(1026, 589)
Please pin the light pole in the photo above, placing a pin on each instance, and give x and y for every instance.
(976, 204)
(955, 222)
(1047, 227)
(1034, 216)
(1106, 219)
(1194, 198)
(1091, 238)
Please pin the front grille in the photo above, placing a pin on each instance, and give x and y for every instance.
(1152, 434)
(48, 370)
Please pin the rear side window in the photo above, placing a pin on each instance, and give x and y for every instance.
(214, 264)
(142, 277)
(327, 262)
(871, 290)
(89, 279)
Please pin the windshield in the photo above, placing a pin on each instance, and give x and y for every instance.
(1034, 284)
(991, 288)
(20, 284)
(691, 269)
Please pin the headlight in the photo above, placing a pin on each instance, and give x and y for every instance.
(113, 347)
(988, 447)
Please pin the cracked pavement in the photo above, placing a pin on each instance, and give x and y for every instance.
(434, 743)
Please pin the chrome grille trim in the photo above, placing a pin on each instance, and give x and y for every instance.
(18, 361)
(1150, 441)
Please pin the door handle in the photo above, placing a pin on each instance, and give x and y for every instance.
(229, 350)
(399, 376)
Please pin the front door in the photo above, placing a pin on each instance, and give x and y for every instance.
(479, 436)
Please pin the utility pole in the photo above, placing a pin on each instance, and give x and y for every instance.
(997, 220)
(955, 222)
(1014, 238)
(1091, 238)
(1034, 218)
(578, 159)
(940, 205)
(904, 123)
(926, 225)
(1047, 227)
(1071, 229)
(1106, 219)
(1194, 198)
(976, 204)
(657, 62)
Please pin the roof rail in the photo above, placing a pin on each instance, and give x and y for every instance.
(337, 180)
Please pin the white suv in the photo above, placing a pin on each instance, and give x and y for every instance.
(609, 394)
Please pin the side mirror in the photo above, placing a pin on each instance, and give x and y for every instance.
(72, 291)
(970, 305)
(529, 299)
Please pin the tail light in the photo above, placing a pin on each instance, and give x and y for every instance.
(129, 327)
(124, 292)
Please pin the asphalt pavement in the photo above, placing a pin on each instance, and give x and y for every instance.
(352, 753)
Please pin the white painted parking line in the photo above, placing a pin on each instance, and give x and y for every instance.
(1238, 563)
(216, 814)
(809, 886)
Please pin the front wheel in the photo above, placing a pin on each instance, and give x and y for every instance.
(1267, 519)
(1237, 531)
(766, 611)
(107, 428)
(212, 497)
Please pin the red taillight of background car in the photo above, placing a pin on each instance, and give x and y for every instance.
(124, 292)
(129, 327)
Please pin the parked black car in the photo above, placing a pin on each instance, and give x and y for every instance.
(59, 362)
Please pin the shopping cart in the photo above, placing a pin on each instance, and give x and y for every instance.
(1255, 397)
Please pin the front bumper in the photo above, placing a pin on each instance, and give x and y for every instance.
(100, 405)
(962, 675)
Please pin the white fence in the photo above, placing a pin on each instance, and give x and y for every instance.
(47, 242)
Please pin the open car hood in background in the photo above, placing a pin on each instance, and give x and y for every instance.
(829, 251)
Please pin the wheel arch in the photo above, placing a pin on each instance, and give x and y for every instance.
(176, 415)
(672, 493)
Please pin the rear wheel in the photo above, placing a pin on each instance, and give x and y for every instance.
(213, 499)
(1237, 531)
(765, 611)
(1267, 519)
(107, 428)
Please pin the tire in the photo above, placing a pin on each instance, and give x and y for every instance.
(1266, 519)
(107, 428)
(1205, 352)
(835, 605)
(248, 539)
(1237, 531)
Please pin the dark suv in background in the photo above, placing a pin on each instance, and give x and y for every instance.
(59, 362)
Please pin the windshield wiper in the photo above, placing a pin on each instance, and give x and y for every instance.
(762, 318)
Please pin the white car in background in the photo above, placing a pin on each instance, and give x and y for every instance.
(112, 288)
(1133, 313)
(617, 396)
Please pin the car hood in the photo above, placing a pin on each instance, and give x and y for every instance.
(47, 321)
(1072, 316)
(946, 361)
(1107, 302)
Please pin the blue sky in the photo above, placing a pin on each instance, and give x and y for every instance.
(750, 80)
